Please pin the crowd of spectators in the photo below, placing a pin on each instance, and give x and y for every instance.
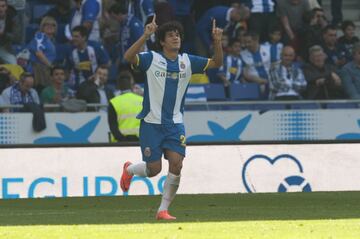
(288, 48)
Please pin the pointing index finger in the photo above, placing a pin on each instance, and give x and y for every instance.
(214, 24)
(154, 18)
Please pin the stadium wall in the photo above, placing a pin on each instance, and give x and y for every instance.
(95, 171)
(201, 126)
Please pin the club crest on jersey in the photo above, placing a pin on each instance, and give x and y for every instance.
(182, 65)
(147, 152)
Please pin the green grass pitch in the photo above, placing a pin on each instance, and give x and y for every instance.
(288, 215)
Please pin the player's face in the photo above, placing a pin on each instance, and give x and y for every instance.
(172, 41)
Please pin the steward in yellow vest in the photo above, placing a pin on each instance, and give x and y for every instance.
(122, 112)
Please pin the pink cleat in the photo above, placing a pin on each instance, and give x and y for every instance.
(164, 215)
(125, 178)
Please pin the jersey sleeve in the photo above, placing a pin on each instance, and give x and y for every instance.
(198, 64)
(90, 10)
(144, 60)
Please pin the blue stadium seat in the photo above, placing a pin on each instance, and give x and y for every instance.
(39, 11)
(244, 91)
(215, 92)
(30, 31)
(195, 93)
(342, 105)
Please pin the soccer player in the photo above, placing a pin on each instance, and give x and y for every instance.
(162, 130)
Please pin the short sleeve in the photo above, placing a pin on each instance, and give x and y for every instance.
(90, 10)
(198, 64)
(144, 60)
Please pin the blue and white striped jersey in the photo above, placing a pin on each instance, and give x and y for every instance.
(275, 51)
(258, 63)
(166, 85)
(232, 68)
(262, 6)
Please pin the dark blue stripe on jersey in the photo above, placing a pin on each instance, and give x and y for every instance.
(259, 65)
(266, 5)
(170, 93)
(183, 99)
(273, 52)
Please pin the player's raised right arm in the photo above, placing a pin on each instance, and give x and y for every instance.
(131, 53)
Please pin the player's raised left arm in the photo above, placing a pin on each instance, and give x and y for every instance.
(217, 60)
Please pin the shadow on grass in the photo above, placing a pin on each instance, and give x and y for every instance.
(188, 208)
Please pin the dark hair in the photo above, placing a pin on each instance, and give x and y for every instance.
(56, 67)
(240, 30)
(118, 8)
(329, 28)
(102, 67)
(233, 41)
(82, 30)
(252, 34)
(275, 28)
(25, 75)
(347, 24)
(317, 9)
(4, 81)
(168, 27)
(124, 81)
(308, 16)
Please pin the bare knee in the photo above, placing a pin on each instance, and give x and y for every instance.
(175, 166)
(153, 168)
(175, 162)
